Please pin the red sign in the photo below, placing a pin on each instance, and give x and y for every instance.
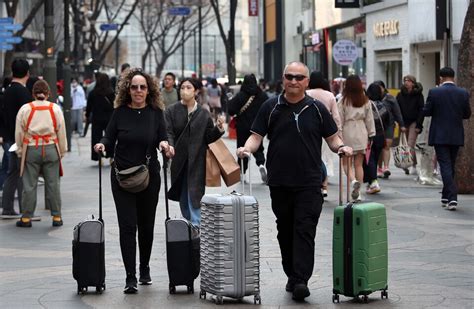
(253, 7)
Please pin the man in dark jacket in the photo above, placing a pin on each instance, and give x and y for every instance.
(447, 105)
(411, 101)
(15, 96)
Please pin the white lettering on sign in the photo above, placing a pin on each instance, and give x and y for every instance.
(253, 7)
(345, 52)
(386, 28)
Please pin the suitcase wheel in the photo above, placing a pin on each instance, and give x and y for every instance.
(219, 300)
(81, 290)
(190, 289)
(99, 289)
(257, 299)
(335, 298)
(202, 294)
(172, 289)
(384, 294)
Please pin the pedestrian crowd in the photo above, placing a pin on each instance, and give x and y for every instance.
(306, 121)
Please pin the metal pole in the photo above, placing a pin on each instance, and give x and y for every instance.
(214, 56)
(117, 48)
(67, 75)
(49, 71)
(200, 42)
(194, 48)
(182, 54)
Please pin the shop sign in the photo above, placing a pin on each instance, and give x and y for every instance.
(345, 52)
(386, 28)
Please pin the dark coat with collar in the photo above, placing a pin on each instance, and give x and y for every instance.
(448, 105)
(190, 139)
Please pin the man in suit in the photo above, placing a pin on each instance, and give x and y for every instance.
(447, 105)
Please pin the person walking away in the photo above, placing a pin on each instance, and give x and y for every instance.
(136, 130)
(447, 105)
(357, 129)
(15, 96)
(169, 92)
(190, 129)
(382, 120)
(411, 102)
(214, 98)
(4, 166)
(78, 103)
(99, 111)
(319, 90)
(389, 100)
(295, 124)
(41, 135)
(245, 106)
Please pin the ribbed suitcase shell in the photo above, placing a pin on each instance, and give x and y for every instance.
(230, 260)
(360, 248)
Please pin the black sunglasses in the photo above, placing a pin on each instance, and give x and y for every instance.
(136, 87)
(298, 77)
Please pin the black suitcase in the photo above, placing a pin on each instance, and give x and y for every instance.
(88, 250)
(182, 247)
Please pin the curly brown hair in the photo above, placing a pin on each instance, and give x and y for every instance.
(123, 97)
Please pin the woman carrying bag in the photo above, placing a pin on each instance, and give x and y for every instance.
(190, 129)
(136, 130)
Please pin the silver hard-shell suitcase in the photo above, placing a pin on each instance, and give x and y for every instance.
(230, 258)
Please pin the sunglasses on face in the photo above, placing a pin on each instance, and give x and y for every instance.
(298, 77)
(138, 87)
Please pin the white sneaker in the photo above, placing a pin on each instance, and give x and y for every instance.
(263, 173)
(355, 189)
(373, 188)
(413, 170)
(452, 205)
(359, 198)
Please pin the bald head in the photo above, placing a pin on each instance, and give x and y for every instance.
(296, 64)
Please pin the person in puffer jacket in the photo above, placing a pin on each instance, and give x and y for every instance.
(411, 102)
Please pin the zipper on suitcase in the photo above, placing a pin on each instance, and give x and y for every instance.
(348, 278)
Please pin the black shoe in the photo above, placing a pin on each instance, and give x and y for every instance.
(145, 278)
(300, 292)
(290, 285)
(130, 284)
(23, 223)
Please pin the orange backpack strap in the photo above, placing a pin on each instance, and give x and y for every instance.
(53, 117)
(30, 117)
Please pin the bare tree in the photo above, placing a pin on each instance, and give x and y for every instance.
(114, 10)
(465, 164)
(11, 7)
(229, 40)
(165, 34)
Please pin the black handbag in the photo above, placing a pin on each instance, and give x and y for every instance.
(136, 178)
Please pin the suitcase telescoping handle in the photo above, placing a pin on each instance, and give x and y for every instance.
(165, 177)
(242, 175)
(101, 155)
(349, 159)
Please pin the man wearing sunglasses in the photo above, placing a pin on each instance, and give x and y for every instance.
(295, 124)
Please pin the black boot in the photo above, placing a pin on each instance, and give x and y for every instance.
(130, 284)
(145, 278)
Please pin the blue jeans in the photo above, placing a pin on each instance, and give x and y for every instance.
(187, 210)
(446, 156)
(4, 166)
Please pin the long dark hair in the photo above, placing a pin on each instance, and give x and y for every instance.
(317, 80)
(102, 84)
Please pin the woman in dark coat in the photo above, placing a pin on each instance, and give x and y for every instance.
(100, 105)
(190, 129)
(245, 106)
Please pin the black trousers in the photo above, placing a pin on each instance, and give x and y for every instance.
(136, 211)
(370, 168)
(446, 155)
(297, 212)
(98, 129)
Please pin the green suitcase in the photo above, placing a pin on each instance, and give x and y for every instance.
(360, 250)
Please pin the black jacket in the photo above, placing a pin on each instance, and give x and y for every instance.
(15, 96)
(447, 105)
(100, 107)
(411, 105)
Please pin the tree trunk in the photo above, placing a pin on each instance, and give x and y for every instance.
(465, 163)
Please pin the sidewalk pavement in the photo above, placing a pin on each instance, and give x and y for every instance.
(430, 250)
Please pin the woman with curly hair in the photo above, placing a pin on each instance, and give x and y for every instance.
(136, 129)
(357, 128)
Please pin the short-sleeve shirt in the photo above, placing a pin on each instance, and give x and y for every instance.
(295, 132)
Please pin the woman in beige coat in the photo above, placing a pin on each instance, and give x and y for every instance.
(357, 129)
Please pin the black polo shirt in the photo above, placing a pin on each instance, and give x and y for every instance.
(295, 132)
